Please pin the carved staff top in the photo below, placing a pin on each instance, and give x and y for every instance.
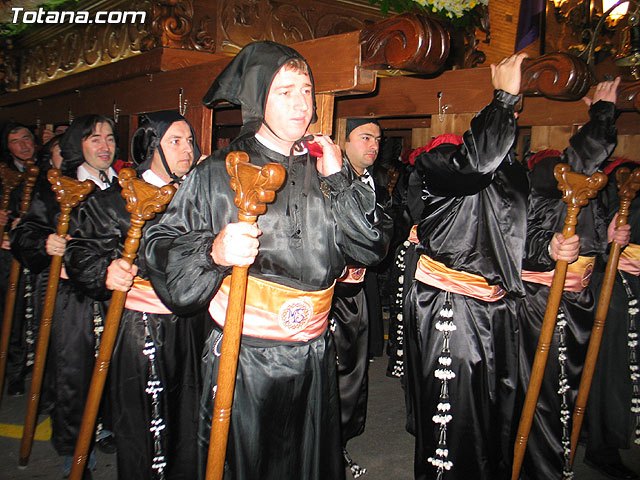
(558, 76)
(577, 190)
(69, 192)
(144, 201)
(10, 179)
(628, 186)
(416, 43)
(254, 186)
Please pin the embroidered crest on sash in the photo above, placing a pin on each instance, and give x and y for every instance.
(295, 314)
(357, 273)
(586, 276)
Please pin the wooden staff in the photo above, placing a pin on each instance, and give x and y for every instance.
(628, 186)
(69, 193)
(143, 202)
(254, 187)
(577, 189)
(14, 277)
(10, 179)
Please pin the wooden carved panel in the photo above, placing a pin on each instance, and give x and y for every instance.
(46, 54)
(243, 21)
(629, 96)
(50, 53)
(416, 43)
(558, 76)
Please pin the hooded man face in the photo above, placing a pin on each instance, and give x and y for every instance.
(99, 148)
(362, 146)
(289, 106)
(177, 145)
(21, 144)
(268, 76)
(166, 144)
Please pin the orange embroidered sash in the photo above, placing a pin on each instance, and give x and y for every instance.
(440, 276)
(142, 298)
(277, 312)
(353, 275)
(577, 279)
(630, 259)
(413, 235)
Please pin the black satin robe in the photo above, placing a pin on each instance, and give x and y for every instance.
(101, 227)
(588, 149)
(306, 235)
(350, 326)
(18, 348)
(609, 422)
(473, 221)
(71, 354)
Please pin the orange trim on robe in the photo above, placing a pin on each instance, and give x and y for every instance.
(630, 259)
(577, 279)
(353, 274)
(142, 298)
(277, 312)
(438, 275)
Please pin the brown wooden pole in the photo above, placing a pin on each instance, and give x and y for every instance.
(628, 186)
(10, 179)
(69, 193)
(254, 187)
(143, 202)
(577, 190)
(14, 277)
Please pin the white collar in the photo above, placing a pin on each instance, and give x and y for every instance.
(153, 178)
(272, 146)
(83, 173)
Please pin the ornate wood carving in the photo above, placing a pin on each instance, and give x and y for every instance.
(629, 96)
(8, 73)
(244, 21)
(416, 43)
(465, 41)
(51, 53)
(172, 26)
(558, 76)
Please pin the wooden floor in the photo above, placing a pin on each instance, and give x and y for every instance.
(385, 448)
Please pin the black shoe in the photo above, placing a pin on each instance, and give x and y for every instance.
(612, 469)
(15, 388)
(107, 445)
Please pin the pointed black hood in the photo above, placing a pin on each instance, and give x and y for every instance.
(247, 79)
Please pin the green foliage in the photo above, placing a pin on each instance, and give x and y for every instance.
(10, 29)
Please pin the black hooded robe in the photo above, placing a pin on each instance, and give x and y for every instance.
(610, 421)
(589, 148)
(285, 420)
(473, 221)
(71, 354)
(24, 327)
(101, 226)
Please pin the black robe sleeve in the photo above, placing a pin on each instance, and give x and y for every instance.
(97, 240)
(29, 238)
(454, 171)
(588, 150)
